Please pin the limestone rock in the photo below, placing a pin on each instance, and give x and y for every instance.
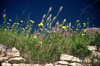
(92, 48)
(49, 64)
(69, 58)
(74, 64)
(61, 62)
(61, 65)
(4, 58)
(87, 60)
(66, 57)
(2, 49)
(15, 52)
(16, 60)
(37, 65)
(6, 64)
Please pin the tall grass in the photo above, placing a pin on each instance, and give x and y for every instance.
(47, 43)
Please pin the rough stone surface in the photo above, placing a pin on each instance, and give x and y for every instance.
(66, 57)
(6, 64)
(87, 60)
(92, 48)
(61, 62)
(49, 64)
(16, 60)
(74, 64)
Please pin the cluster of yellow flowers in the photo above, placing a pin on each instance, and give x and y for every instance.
(41, 24)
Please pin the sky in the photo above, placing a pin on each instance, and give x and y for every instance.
(35, 9)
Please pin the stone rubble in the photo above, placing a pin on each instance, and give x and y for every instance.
(11, 57)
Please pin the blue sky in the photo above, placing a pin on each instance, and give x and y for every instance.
(72, 10)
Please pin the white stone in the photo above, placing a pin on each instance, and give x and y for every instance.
(74, 64)
(6, 64)
(69, 58)
(61, 62)
(76, 59)
(66, 57)
(49, 64)
(61, 65)
(87, 60)
(92, 48)
(15, 52)
(37, 65)
(16, 60)
(3, 58)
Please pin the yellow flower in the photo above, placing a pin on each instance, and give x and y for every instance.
(10, 20)
(5, 29)
(27, 35)
(83, 34)
(8, 23)
(30, 28)
(21, 20)
(67, 26)
(40, 28)
(14, 23)
(84, 23)
(23, 28)
(40, 42)
(32, 21)
(66, 30)
(76, 29)
(17, 23)
(79, 26)
(27, 25)
(41, 24)
(34, 36)
(4, 15)
(63, 27)
(64, 20)
(77, 20)
(52, 28)
(7, 26)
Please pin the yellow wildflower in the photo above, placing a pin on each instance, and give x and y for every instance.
(17, 23)
(67, 26)
(21, 20)
(23, 28)
(83, 34)
(84, 23)
(66, 30)
(5, 29)
(27, 35)
(41, 23)
(40, 28)
(27, 25)
(76, 29)
(8, 23)
(79, 26)
(34, 36)
(63, 27)
(4, 15)
(30, 28)
(40, 42)
(77, 20)
(14, 23)
(32, 21)
(10, 20)
(52, 28)
(64, 20)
